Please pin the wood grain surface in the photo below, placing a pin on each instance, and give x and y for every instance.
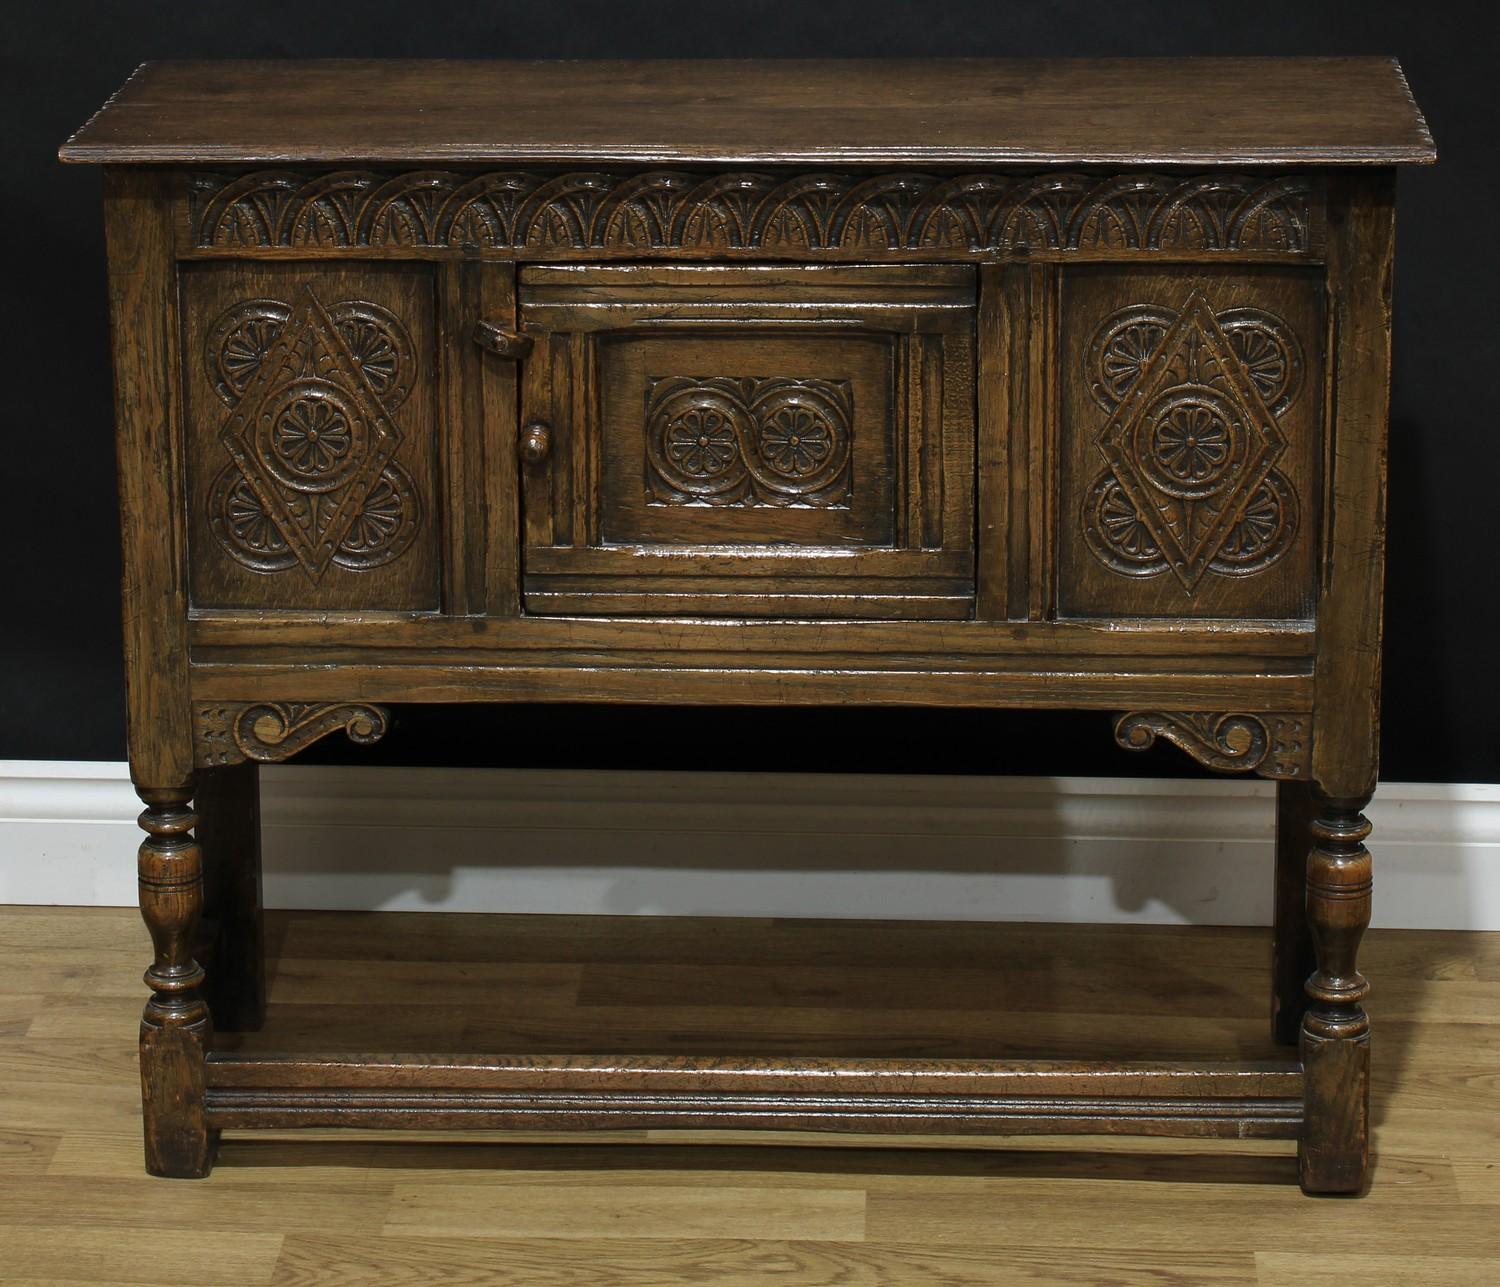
(634, 1208)
(366, 457)
(1179, 111)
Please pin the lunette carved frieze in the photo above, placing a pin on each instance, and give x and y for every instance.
(749, 441)
(766, 213)
(312, 392)
(1192, 441)
(1274, 745)
(233, 732)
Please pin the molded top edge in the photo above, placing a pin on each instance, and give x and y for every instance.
(954, 112)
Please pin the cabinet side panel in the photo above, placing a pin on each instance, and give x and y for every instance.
(138, 226)
(1361, 243)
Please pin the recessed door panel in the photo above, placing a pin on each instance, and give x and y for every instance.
(750, 441)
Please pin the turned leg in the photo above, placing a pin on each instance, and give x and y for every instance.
(1335, 1047)
(175, 1028)
(1291, 940)
(227, 800)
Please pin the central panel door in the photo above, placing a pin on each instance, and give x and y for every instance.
(749, 440)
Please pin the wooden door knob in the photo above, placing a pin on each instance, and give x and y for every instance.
(536, 442)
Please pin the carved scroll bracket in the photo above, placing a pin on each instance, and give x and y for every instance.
(1275, 745)
(230, 733)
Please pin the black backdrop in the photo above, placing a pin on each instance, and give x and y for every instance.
(60, 682)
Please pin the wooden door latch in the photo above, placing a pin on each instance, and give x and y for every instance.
(496, 339)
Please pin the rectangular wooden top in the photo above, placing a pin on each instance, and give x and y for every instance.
(959, 112)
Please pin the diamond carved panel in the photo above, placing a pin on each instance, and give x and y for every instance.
(311, 435)
(1191, 441)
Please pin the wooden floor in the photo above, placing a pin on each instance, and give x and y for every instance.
(328, 1209)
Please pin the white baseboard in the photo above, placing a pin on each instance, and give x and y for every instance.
(721, 844)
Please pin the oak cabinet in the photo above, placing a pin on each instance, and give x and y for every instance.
(981, 383)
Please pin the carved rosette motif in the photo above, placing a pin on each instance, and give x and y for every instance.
(753, 211)
(1191, 441)
(312, 479)
(230, 733)
(1278, 745)
(748, 440)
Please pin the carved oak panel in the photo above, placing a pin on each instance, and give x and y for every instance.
(752, 440)
(311, 446)
(800, 215)
(774, 442)
(1189, 430)
(812, 420)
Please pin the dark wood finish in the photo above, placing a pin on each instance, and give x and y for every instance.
(1346, 756)
(538, 215)
(725, 382)
(1292, 957)
(1188, 111)
(480, 412)
(806, 447)
(227, 801)
(264, 732)
(1008, 682)
(1260, 1101)
(496, 339)
(715, 1073)
(1275, 745)
(144, 328)
(175, 1027)
(1333, 1153)
(311, 445)
(1152, 359)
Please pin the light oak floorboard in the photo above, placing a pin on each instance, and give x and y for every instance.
(346, 1209)
(87, 1254)
(1286, 1269)
(540, 1262)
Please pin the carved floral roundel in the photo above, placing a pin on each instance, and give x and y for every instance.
(312, 440)
(1193, 442)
